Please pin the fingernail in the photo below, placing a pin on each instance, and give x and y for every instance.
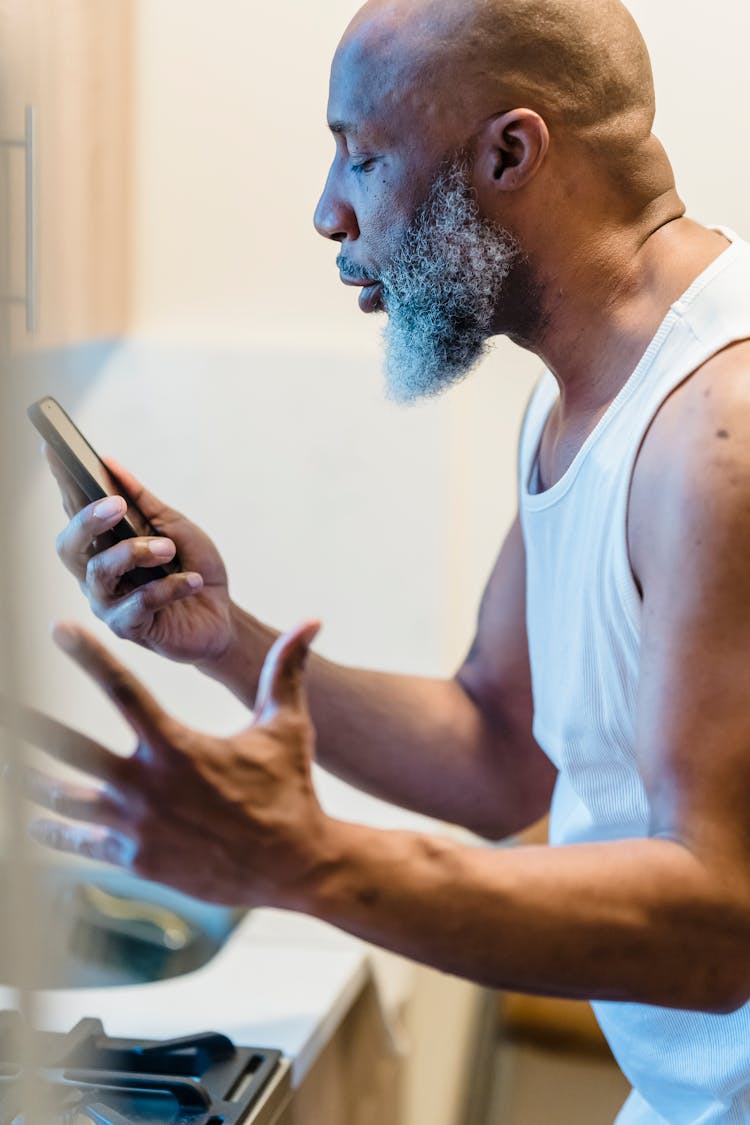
(161, 548)
(112, 506)
(194, 581)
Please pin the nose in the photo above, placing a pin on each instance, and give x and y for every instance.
(334, 216)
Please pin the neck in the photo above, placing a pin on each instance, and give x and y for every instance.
(597, 311)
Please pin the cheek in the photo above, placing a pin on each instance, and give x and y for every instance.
(383, 222)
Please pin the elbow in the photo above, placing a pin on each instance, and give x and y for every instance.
(514, 777)
(728, 1003)
(704, 953)
(723, 983)
(731, 960)
(708, 986)
(503, 821)
(730, 994)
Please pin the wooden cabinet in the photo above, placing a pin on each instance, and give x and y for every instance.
(71, 61)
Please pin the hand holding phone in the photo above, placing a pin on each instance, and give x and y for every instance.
(121, 544)
(95, 481)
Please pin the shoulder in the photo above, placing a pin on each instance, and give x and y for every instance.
(693, 470)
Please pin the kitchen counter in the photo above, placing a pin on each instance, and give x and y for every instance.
(281, 980)
(365, 1031)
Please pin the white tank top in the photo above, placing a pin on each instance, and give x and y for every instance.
(584, 628)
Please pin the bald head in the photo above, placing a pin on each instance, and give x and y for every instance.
(581, 64)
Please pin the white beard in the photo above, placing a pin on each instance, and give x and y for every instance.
(441, 290)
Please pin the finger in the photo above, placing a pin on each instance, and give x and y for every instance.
(103, 844)
(75, 802)
(282, 680)
(105, 569)
(134, 614)
(134, 702)
(75, 543)
(62, 742)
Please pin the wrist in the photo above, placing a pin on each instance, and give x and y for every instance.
(238, 665)
(329, 854)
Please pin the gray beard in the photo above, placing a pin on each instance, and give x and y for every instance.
(441, 290)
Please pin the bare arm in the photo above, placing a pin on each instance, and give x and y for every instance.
(461, 749)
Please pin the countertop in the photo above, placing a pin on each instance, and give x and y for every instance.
(281, 980)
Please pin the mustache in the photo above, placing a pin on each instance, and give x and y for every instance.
(355, 273)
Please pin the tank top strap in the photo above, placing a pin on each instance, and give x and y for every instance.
(542, 399)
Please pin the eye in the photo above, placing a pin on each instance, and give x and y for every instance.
(364, 166)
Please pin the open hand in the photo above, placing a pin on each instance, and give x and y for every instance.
(230, 820)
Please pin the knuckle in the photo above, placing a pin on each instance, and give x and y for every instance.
(122, 689)
(120, 627)
(142, 551)
(96, 571)
(61, 543)
(141, 601)
(56, 798)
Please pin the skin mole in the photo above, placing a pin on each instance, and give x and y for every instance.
(723, 434)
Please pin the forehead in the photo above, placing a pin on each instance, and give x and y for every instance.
(363, 95)
(379, 86)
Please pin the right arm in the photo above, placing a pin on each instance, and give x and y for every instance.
(460, 750)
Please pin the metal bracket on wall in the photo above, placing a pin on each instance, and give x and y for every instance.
(28, 143)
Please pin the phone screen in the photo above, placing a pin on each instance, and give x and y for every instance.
(89, 471)
(77, 444)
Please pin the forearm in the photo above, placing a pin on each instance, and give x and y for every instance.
(639, 921)
(418, 742)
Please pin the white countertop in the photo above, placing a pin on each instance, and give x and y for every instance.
(281, 980)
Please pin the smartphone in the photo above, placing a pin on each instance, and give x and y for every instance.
(94, 479)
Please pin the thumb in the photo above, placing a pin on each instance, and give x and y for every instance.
(282, 678)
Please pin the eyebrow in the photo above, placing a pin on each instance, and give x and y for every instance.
(341, 127)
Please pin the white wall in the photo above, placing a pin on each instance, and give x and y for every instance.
(233, 152)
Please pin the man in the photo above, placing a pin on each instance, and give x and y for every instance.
(496, 173)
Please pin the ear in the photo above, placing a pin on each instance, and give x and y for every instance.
(510, 149)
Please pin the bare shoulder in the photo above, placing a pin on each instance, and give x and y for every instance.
(693, 470)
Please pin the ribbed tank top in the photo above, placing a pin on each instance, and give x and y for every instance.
(584, 629)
